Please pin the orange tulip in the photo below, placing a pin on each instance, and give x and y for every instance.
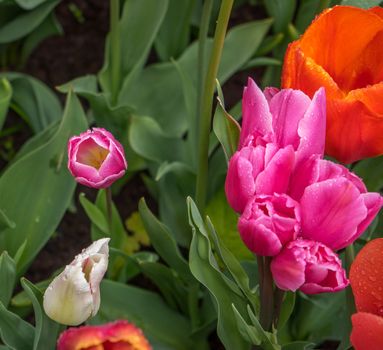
(367, 331)
(342, 50)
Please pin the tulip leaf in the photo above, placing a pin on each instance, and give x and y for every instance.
(163, 242)
(25, 23)
(40, 187)
(286, 309)
(46, 330)
(282, 11)
(225, 292)
(29, 4)
(5, 221)
(299, 345)
(95, 214)
(364, 4)
(147, 310)
(7, 277)
(5, 99)
(248, 332)
(22, 339)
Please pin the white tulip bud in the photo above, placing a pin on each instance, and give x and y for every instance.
(74, 295)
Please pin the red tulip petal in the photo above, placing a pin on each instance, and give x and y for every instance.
(367, 331)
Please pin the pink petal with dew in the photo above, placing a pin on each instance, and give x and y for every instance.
(331, 212)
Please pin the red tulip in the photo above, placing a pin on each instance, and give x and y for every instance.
(342, 50)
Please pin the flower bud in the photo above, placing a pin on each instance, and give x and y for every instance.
(95, 158)
(74, 295)
(117, 335)
(308, 266)
(269, 222)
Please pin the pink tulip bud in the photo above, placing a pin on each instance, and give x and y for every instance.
(336, 207)
(95, 158)
(285, 117)
(117, 335)
(260, 169)
(308, 266)
(269, 222)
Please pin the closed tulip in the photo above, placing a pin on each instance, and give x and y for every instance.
(96, 159)
(308, 266)
(269, 222)
(74, 295)
(119, 335)
(367, 331)
(342, 51)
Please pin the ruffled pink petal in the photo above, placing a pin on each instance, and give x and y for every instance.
(312, 128)
(331, 212)
(276, 176)
(288, 108)
(256, 116)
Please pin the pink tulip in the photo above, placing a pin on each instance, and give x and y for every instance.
(95, 158)
(260, 169)
(308, 266)
(335, 205)
(269, 222)
(287, 117)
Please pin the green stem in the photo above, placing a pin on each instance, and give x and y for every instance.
(267, 306)
(115, 49)
(278, 300)
(207, 102)
(109, 203)
(350, 256)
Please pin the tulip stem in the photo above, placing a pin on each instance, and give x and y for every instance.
(266, 292)
(205, 116)
(115, 49)
(279, 294)
(109, 203)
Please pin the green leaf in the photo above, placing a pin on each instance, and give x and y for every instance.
(22, 299)
(173, 36)
(163, 242)
(7, 277)
(282, 11)
(46, 330)
(29, 4)
(147, 311)
(286, 309)
(49, 27)
(139, 24)
(225, 221)
(25, 23)
(22, 339)
(5, 222)
(226, 129)
(299, 345)
(250, 333)
(40, 187)
(34, 101)
(5, 99)
(364, 4)
(94, 214)
(225, 292)
(370, 170)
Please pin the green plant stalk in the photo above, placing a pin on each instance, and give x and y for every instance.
(109, 203)
(115, 49)
(278, 301)
(207, 103)
(267, 294)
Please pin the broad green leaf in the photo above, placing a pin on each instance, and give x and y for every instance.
(282, 11)
(7, 277)
(248, 332)
(22, 299)
(5, 222)
(29, 4)
(226, 129)
(5, 99)
(40, 187)
(371, 170)
(46, 330)
(365, 4)
(225, 292)
(94, 214)
(139, 24)
(26, 22)
(22, 339)
(163, 242)
(34, 101)
(225, 221)
(286, 309)
(49, 27)
(147, 311)
(173, 36)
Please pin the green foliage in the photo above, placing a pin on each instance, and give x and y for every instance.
(5, 99)
(7, 277)
(43, 162)
(362, 3)
(370, 170)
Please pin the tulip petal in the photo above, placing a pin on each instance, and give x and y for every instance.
(367, 331)
(256, 116)
(331, 212)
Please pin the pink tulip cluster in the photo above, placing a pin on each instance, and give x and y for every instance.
(295, 206)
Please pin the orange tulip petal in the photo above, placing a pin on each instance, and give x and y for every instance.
(367, 331)
(119, 335)
(366, 277)
(377, 10)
